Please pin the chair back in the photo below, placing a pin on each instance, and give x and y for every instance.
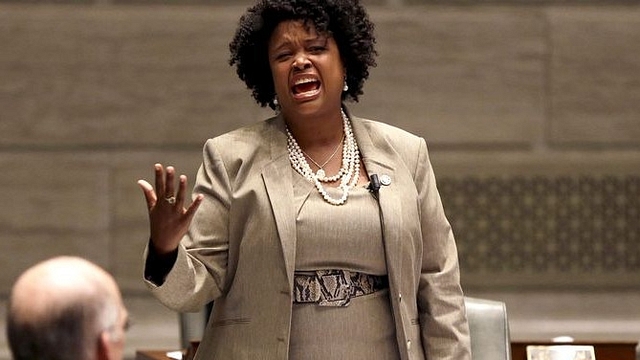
(489, 329)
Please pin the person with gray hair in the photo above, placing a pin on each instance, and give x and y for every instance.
(66, 308)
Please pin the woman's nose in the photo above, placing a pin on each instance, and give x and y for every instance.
(301, 62)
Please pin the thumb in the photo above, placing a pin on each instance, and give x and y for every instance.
(149, 193)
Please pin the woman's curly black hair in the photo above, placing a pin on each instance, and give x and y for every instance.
(345, 20)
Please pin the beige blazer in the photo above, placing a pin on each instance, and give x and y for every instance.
(241, 248)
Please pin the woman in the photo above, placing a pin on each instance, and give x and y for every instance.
(305, 257)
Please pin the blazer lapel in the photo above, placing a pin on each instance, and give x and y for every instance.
(278, 181)
(379, 159)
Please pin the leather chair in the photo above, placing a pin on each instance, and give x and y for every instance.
(489, 329)
(192, 325)
(488, 326)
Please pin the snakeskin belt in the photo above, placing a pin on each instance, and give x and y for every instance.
(335, 287)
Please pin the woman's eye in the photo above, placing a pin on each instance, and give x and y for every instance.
(282, 56)
(317, 49)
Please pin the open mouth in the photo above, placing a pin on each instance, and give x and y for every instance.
(305, 87)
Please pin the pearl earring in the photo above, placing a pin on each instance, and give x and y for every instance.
(345, 88)
(275, 102)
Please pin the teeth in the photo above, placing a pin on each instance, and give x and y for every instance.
(304, 81)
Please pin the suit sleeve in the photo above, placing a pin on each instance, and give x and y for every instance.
(198, 273)
(445, 331)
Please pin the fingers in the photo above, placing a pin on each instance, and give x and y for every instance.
(159, 180)
(182, 189)
(168, 218)
(149, 193)
(169, 186)
(194, 206)
(165, 187)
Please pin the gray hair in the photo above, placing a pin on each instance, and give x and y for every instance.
(69, 332)
(68, 322)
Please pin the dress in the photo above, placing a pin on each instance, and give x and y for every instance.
(346, 237)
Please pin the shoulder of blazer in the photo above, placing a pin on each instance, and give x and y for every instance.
(254, 136)
(381, 131)
(253, 145)
(387, 140)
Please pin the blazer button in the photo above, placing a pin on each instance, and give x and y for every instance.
(408, 344)
(399, 297)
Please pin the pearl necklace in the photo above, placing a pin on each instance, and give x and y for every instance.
(320, 173)
(349, 171)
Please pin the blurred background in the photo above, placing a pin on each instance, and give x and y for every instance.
(531, 109)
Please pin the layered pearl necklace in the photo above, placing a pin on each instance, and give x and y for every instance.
(349, 171)
(320, 173)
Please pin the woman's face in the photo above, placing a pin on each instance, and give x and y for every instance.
(307, 70)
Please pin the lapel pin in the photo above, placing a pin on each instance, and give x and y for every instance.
(385, 180)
